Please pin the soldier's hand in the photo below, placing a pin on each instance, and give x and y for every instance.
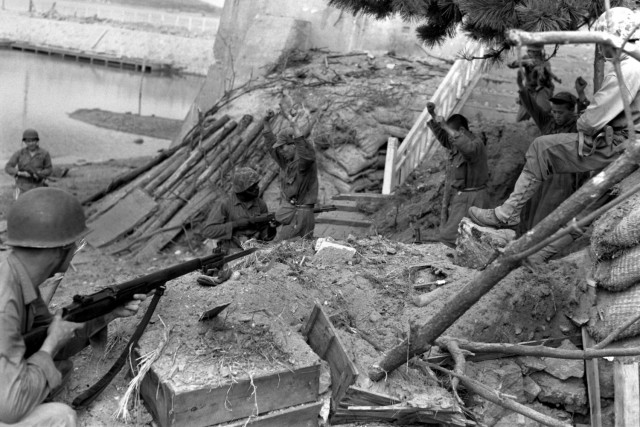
(431, 109)
(130, 308)
(59, 333)
(580, 84)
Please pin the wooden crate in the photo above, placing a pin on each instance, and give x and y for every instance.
(287, 395)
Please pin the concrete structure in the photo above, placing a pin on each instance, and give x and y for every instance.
(256, 33)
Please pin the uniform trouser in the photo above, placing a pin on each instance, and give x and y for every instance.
(459, 204)
(301, 225)
(48, 415)
(547, 155)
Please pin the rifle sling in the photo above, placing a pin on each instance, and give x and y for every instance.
(89, 395)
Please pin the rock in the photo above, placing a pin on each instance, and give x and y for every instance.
(531, 389)
(332, 253)
(571, 393)
(564, 368)
(476, 246)
(530, 364)
(502, 375)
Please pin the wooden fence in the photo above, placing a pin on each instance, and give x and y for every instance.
(420, 141)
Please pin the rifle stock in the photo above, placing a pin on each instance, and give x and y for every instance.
(89, 307)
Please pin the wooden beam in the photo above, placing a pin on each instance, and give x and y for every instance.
(627, 393)
(593, 382)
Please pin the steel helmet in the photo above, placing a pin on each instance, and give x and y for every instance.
(244, 178)
(30, 134)
(623, 22)
(286, 136)
(45, 217)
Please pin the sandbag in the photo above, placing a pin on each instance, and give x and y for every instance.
(620, 273)
(617, 310)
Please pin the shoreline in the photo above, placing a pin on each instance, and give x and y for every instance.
(188, 55)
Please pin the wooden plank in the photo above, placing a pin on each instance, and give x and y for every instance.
(351, 219)
(398, 414)
(298, 416)
(323, 339)
(121, 218)
(157, 397)
(239, 400)
(593, 382)
(627, 393)
(387, 182)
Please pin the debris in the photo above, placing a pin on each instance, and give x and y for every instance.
(210, 314)
(477, 246)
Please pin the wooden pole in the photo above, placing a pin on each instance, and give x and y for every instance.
(627, 393)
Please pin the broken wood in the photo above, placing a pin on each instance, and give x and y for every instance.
(459, 365)
(593, 382)
(459, 303)
(323, 339)
(501, 399)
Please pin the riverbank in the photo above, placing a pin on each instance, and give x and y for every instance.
(155, 127)
(184, 54)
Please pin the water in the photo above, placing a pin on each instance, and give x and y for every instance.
(38, 91)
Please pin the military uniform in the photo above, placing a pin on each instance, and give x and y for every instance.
(38, 161)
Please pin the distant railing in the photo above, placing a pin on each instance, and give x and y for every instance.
(420, 141)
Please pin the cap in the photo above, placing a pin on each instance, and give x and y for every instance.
(564, 98)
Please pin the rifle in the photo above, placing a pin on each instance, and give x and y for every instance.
(271, 216)
(89, 307)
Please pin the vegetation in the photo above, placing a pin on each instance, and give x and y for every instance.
(483, 20)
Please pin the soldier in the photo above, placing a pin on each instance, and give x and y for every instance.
(231, 222)
(468, 157)
(30, 165)
(589, 149)
(45, 228)
(296, 158)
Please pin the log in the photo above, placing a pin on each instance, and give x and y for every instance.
(195, 156)
(627, 393)
(165, 170)
(131, 175)
(498, 398)
(538, 350)
(459, 303)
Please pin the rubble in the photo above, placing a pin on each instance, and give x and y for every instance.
(571, 394)
(477, 246)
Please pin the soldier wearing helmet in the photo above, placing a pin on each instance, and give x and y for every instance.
(230, 222)
(296, 158)
(31, 165)
(45, 228)
(589, 149)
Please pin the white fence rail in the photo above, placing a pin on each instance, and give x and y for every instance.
(420, 141)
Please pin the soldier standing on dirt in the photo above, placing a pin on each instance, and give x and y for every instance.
(30, 165)
(298, 178)
(469, 174)
(231, 221)
(45, 228)
(589, 149)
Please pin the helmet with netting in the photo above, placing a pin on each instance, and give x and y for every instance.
(624, 23)
(243, 178)
(45, 218)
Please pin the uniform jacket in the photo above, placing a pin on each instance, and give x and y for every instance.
(468, 156)
(26, 382)
(298, 177)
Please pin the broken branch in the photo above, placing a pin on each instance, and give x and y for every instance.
(498, 398)
(519, 37)
(537, 351)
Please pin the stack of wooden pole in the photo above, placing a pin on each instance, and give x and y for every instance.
(185, 180)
